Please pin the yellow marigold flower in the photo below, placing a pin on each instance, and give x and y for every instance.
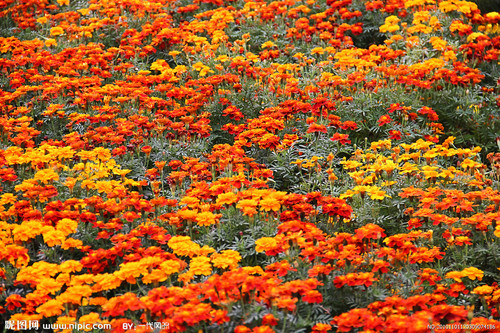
(106, 282)
(265, 244)
(198, 66)
(8, 198)
(438, 43)
(56, 31)
(37, 271)
(84, 11)
(53, 237)
(390, 24)
(268, 204)
(188, 214)
(247, 206)
(102, 153)
(63, 2)
(183, 246)
(457, 276)
(27, 230)
(67, 226)
(420, 16)
(417, 3)
(50, 42)
(472, 37)
(174, 53)
(473, 273)
(70, 266)
(483, 290)
(226, 198)
(160, 65)
(206, 250)
(268, 44)
(186, 277)
(318, 50)
(129, 271)
(191, 202)
(200, 266)
(42, 20)
(226, 259)
(46, 176)
(156, 275)
(71, 243)
(170, 266)
(377, 194)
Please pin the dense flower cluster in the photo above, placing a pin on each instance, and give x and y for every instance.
(250, 166)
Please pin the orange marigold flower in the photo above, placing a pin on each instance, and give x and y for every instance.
(242, 329)
(187, 214)
(321, 328)
(207, 218)
(50, 308)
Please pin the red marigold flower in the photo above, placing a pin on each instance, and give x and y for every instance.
(342, 138)
(383, 120)
(394, 135)
(349, 125)
(313, 128)
(269, 319)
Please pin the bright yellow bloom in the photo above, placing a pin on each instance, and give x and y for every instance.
(50, 42)
(268, 44)
(70, 266)
(56, 31)
(67, 226)
(184, 246)
(268, 204)
(53, 237)
(200, 266)
(226, 198)
(226, 259)
(46, 176)
(42, 20)
(265, 244)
